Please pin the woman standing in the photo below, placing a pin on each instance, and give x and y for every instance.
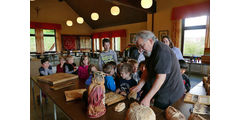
(168, 41)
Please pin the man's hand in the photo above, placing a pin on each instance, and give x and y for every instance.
(136, 88)
(140, 84)
(145, 102)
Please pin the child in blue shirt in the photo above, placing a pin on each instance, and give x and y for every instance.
(91, 69)
(126, 81)
(109, 80)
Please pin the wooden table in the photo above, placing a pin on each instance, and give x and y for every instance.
(185, 107)
(76, 110)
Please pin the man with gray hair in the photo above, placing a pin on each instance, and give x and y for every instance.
(162, 80)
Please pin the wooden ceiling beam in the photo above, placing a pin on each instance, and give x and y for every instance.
(135, 4)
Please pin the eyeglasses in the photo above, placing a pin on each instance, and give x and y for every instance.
(141, 46)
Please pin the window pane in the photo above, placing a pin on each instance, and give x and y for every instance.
(117, 43)
(82, 43)
(113, 45)
(195, 21)
(88, 43)
(32, 44)
(95, 44)
(48, 32)
(194, 41)
(98, 48)
(49, 44)
(32, 31)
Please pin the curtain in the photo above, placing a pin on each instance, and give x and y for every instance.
(176, 33)
(191, 10)
(69, 42)
(110, 34)
(207, 39)
(38, 25)
(39, 41)
(58, 40)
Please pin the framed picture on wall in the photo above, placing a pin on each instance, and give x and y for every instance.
(162, 33)
(132, 38)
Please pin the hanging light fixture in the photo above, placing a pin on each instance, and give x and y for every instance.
(69, 23)
(115, 10)
(80, 20)
(94, 16)
(146, 3)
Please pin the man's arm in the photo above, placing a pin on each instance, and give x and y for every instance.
(160, 78)
(140, 83)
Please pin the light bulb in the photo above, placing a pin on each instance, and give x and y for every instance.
(69, 23)
(94, 16)
(146, 3)
(80, 20)
(115, 10)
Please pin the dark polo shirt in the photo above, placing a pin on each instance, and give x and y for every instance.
(164, 61)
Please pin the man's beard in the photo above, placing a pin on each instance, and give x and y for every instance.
(147, 54)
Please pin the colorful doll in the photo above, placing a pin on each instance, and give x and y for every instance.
(96, 96)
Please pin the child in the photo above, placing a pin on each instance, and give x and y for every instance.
(69, 66)
(142, 67)
(91, 69)
(109, 81)
(114, 64)
(45, 69)
(83, 68)
(60, 66)
(186, 81)
(135, 74)
(126, 81)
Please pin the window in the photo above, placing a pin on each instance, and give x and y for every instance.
(85, 43)
(193, 36)
(96, 44)
(32, 41)
(49, 39)
(116, 43)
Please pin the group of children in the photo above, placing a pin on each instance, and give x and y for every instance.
(119, 78)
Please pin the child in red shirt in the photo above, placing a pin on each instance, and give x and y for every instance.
(83, 68)
(60, 66)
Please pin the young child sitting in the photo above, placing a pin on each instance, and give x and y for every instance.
(135, 74)
(126, 81)
(69, 66)
(109, 80)
(91, 69)
(186, 81)
(45, 69)
(60, 65)
(83, 68)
